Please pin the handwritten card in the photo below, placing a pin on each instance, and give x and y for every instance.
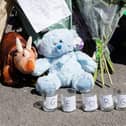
(44, 13)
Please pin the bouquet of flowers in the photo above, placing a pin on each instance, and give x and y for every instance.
(102, 17)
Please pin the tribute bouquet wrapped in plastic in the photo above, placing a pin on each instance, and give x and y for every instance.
(102, 17)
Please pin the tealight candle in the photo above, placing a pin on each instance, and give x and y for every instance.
(50, 100)
(89, 101)
(120, 100)
(106, 99)
(68, 100)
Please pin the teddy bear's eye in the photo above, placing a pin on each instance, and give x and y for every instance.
(60, 41)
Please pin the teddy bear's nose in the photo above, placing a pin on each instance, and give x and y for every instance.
(59, 46)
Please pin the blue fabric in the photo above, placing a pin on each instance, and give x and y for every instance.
(68, 67)
(42, 65)
(86, 62)
(45, 83)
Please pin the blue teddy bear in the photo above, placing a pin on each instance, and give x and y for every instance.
(64, 63)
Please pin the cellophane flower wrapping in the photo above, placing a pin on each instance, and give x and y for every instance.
(102, 17)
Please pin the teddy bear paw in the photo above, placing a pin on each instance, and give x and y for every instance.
(85, 83)
(43, 85)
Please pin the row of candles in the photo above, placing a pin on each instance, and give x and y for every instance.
(91, 101)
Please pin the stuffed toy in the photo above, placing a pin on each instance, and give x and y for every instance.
(17, 58)
(63, 64)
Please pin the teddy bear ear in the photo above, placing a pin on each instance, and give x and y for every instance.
(77, 41)
(74, 32)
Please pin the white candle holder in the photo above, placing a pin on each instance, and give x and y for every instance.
(120, 100)
(68, 100)
(89, 102)
(105, 98)
(50, 100)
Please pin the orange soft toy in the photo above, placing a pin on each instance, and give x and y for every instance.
(17, 58)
